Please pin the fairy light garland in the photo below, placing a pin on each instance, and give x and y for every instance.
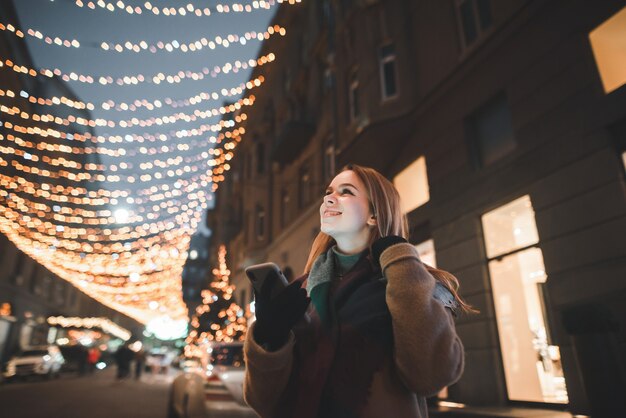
(182, 133)
(38, 35)
(129, 123)
(136, 79)
(188, 10)
(53, 205)
(137, 104)
(234, 318)
(224, 41)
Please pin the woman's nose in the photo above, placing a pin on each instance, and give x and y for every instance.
(329, 199)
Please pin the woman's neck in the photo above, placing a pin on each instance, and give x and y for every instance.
(351, 248)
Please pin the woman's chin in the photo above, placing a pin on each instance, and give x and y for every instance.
(325, 229)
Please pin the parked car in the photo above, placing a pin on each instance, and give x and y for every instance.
(43, 361)
(215, 389)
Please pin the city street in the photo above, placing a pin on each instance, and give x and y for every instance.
(418, 203)
(97, 396)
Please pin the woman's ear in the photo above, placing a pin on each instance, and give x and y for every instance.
(372, 220)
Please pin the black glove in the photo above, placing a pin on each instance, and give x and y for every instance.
(276, 316)
(381, 244)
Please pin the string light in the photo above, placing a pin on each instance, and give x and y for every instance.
(162, 120)
(124, 246)
(140, 103)
(182, 133)
(188, 10)
(192, 46)
(136, 79)
(228, 322)
(38, 35)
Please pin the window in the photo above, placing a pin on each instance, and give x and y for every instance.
(260, 158)
(260, 223)
(284, 207)
(624, 160)
(609, 50)
(426, 252)
(532, 365)
(329, 79)
(72, 297)
(246, 226)
(474, 18)
(388, 75)
(20, 265)
(353, 97)
(329, 161)
(490, 132)
(304, 186)
(59, 292)
(46, 287)
(287, 80)
(248, 160)
(412, 184)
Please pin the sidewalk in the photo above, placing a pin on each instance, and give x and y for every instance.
(494, 412)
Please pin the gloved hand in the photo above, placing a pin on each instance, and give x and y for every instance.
(381, 244)
(276, 316)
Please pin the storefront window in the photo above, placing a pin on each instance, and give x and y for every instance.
(532, 365)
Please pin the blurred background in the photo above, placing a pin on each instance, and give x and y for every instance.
(150, 151)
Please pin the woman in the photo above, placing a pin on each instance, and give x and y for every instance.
(368, 330)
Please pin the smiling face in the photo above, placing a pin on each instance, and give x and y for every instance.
(346, 213)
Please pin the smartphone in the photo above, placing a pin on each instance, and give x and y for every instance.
(259, 273)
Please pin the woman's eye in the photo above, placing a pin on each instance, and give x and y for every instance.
(346, 191)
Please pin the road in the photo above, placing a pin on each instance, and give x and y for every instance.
(96, 396)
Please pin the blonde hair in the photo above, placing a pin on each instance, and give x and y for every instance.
(384, 202)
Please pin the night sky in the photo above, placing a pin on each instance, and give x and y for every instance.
(64, 19)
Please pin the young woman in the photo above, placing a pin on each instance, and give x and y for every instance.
(368, 330)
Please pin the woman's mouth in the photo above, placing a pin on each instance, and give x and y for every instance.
(331, 213)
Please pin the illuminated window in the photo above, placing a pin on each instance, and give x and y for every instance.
(532, 365)
(412, 184)
(624, 159)
(490, 132)
(608, 42)
(426, 252)
(388, 76)
(474, 19)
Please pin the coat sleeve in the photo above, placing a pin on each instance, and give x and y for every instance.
(428, 352)
(267, 374)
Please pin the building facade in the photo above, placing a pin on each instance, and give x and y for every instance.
(503, 125)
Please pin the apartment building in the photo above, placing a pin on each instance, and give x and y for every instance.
(503, 125)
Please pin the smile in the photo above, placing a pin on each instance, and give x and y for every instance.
(330, 213)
